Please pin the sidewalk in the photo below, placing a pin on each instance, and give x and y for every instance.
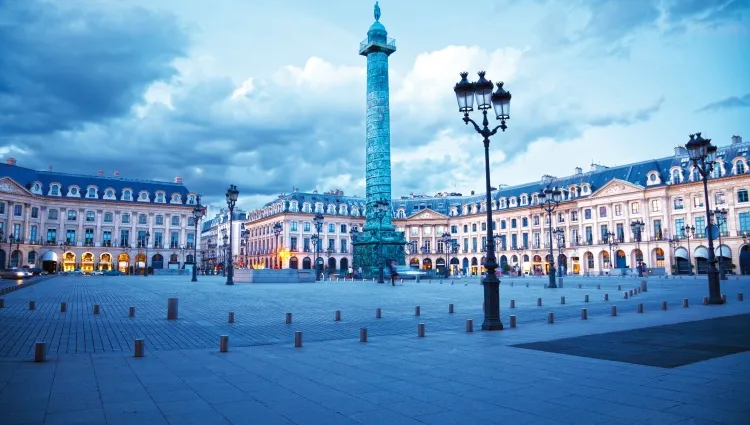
(448, 377)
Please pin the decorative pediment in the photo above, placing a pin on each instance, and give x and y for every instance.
(426, 214)
(8, 185)
(617, 187)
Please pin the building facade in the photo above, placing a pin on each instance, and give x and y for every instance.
(60, 221)
(215, 238)
(595, 216)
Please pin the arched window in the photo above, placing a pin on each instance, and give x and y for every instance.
(676, 176)
(740, 168)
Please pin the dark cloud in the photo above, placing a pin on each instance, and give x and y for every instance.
(733, 102)
(63, 67)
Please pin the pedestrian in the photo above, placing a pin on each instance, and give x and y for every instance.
(349, 272)
(394, 272)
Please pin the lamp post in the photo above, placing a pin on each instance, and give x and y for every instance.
(703, 154)
(720, 214)
(613, 243)
(246, 243)
(549, 199)
(519, 252)
(560, 236)
(276, 231)
(231, 196)
(145, 244)
(11, 239)
(689, 232)
(446, 239)
(64, 246)
(197, 215)
(1, 241)
(466, 92)
(637, 228)
(381, 208)
(674, 243)
(318, 221)
(223, 252)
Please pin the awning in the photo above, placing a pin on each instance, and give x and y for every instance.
(723, 251)
(681, 253)
(49, 256)
(701, 252)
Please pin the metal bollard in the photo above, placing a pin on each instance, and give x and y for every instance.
(562, 300)
(740, 297)
(527, 284)
(644, 286)
(32, 305)
(63, 307)
(288, 318)
(584, 314)
(40, 352)
(512, 303)
(705, 300)
(723, 299)
(640, 308)
(96, 308)
(619, 287)
(224, 343)
(598, 286)
(2, 303)
(626, 295)
(420, 330)
(579, 286)
(172, 309)
(550, 317)
(230, 319)
(362, 334)
(630, 292)
(512, 320)
(685, 303)
(538, 302)
(377, 313)
(450, 308)
(606, 297)
(297, 339)
(469, 325)
(586, 298)
(337, 316)
(131, 312)
(614, 310)
(416, 311)
(663, 305)
(511, 284)
(139, 348)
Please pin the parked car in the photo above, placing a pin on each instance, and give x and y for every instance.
(35, 271)
(112, 273)
(406, 272)
(15, 273)
(97, 273)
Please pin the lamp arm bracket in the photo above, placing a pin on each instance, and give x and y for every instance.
(468, 120)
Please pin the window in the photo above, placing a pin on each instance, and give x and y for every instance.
(603, 232)
(90, 216)
(88, 237)
(144, 196)
(107, 238)
(679, 224)
(51, 214)
(484, 226)
(109, 193)
(55, 190)
(343, 228)
(70, 237)
(34, 212)
(466, 228)
(331, 228)
(657, 230)
(158, 239)
(72, 215)
(175, 220)
(740, 167)
(589, 235)
(51, 236)
(74, 191)
(127, 195)
(141, 218)
(676, 176)
(655, 205)
(561, 217)
(91, 193)
(574, 216)
(513, 223)
(602, 212)
(695, 174)
(587, 214)
(524, 222)
(124, 237)
(343, 245)
(159, 220)
(652, 177)
(620, 231)
(160, 197)
(525, 240)
(700, 226)
(744, 219)
(2, 207)
(678, 203)
(635, 207)
(503, 225)
(473, 227)
(742, 195)
(294, 226)
(618, 210)
(125, 218)
(719, 198)
(513, 241)
(306, 226)
(18, 210)
(174, 239)
(536, 220)
(697, 201)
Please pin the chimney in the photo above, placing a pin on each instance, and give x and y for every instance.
(10, 161)
(680, 151)
(736, 140)
(50, 167)
(178, 179)
(101, 172)
(579, 170)
(117, 173)
(472, 192)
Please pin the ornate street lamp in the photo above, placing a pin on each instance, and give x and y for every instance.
(560, 237)
(11, 239)
(613, 244)
(224, 249)
(231, 196)
(64, 246)
(466, 92)
(381, 209)
(720, 214)
(276, 231)
(446, 238)
(197, 215)
(519, 252)
(318, 221)
(689, 232)
(703, 154)
(674, 243)
(549, 199)
(245, 235)
(637, 228)
(145, 244)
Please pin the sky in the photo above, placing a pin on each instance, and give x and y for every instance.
(270, 95)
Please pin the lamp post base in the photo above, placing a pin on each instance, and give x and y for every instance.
(552, 283)
(714, 287)
(491, 286)
(195, 274)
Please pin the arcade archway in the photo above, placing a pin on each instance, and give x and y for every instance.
(105, 261)
(69, 261)
(49, 262)
(157, 261)
(123, 262)
(87, 262)
(306, 263)
(293, 262)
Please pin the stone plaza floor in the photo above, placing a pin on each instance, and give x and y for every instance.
(679, 366)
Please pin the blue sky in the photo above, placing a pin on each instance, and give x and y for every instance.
(271, 95)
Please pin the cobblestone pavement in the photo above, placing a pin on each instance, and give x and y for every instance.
(260, 309)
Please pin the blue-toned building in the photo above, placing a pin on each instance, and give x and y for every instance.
(215, 240)
(65, 221)
(594, 220)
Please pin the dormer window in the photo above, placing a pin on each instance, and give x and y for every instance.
(37, 187)
(127, 195)
(176, 198)
(109, 193)
(676, 176)
(55, 190)
(74, 191)
(306, 207)
(739, 168)
(331, 210)
(160, 197)
(355, 211)
(513, 202)
(91, 192)
(191, 199)
(524, 200)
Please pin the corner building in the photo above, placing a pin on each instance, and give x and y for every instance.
(57, 221)
(665, 193)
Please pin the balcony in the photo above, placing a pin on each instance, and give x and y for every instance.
(88, 243)
(51, 242)
(385, 45)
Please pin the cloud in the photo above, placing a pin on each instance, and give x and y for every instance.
(732, 102)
